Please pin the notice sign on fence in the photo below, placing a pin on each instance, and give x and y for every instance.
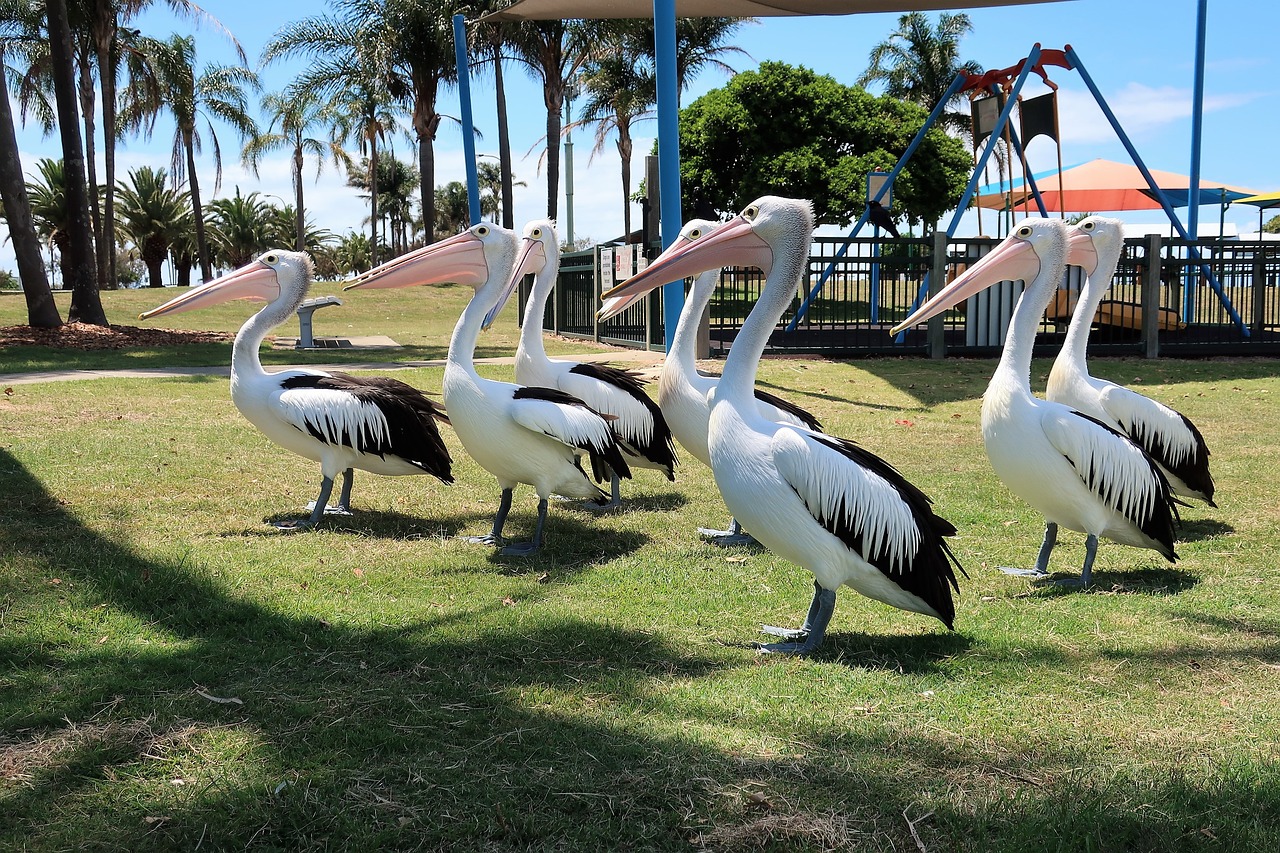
(606, 268)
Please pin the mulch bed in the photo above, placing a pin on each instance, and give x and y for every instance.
(83, 336)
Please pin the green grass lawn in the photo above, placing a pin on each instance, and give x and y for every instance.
(174, 674)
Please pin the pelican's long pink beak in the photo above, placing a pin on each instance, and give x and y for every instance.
(459, 259)
(252, 281)
(1014, 259)
(733, 244)
(532, 258)
(1081, 252)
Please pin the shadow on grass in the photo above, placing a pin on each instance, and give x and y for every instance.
(1153, 580)
(225, 723)
(917, 654)
(1199, 529)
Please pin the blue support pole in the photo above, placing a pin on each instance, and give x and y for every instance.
(1156, 192)
(664, 38)
(468, 123)
(1197, 124)
(929, 122)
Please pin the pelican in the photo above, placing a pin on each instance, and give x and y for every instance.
(1075, 470)
(1167, 436)
(638, 425)
(344, 422)
(684, 394)
(820, 501)
(520, 434)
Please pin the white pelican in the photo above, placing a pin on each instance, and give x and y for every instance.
(820, 501)
(517, 433)
(1167, 436)
(1077, 471)
(639, 427)
(684, 394)
(374, 423)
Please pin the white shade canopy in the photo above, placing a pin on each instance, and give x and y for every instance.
(538, 10)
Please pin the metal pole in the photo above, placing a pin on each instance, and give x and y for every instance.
(664, 38)
(468, 123)
(568, 172)
(1197, 115)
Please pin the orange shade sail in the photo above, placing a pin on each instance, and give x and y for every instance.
(1095, 186)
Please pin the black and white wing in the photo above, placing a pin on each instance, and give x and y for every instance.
(375, 415)
(874, 510)
(572, 422)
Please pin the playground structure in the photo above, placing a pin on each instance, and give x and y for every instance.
(1005, 86)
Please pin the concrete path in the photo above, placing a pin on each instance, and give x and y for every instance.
(633, 357)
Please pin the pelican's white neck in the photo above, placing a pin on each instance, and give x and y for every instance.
(544, 280)
(790, 253)
(1076, 344)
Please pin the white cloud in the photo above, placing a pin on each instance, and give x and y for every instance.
(1141, 110)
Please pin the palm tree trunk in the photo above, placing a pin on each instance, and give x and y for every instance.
(504, 145)
(301, 234)
(107, 73)
(202, 244)
(87, 108)
(427, 186)
(86, 305)
(373, 200)
(624, 151)
(553, 97)
(42, 311)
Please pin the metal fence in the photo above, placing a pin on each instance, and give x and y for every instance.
(1161, 302)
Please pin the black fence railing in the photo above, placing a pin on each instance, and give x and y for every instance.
(1160, 301)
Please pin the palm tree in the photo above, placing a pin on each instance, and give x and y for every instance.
(362, 112)
(240, 228)
(217, 92)
(47, 200)
(154, 216)
(295, 115)
(489, 41)
(18, 23)
(110, 41)
(352, 254)
(552, 52)
(78, 260)
(620, 89)
(349, 66)
(452, 205)
(918, 62)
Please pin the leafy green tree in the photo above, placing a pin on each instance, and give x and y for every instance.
(154, 216)
(47, 202)
(785, 130)
(918, 61)
(351, 254)
(216, 92)
(1272, 226)
(295, 118)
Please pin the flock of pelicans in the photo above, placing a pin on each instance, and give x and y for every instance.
(1093, 457)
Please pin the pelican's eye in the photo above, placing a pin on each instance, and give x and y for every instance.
(1087, 225)
(271, 258)
(1024, 231)
(536, 233)
(694, 234)
(751, 212)
(482, 231)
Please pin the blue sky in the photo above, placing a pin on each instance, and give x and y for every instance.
(1139, 52)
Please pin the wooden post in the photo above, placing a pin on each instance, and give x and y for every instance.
(935, 337)
(1151, 297)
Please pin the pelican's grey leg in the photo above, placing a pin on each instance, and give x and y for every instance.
(817, 624)
(1042, 559)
